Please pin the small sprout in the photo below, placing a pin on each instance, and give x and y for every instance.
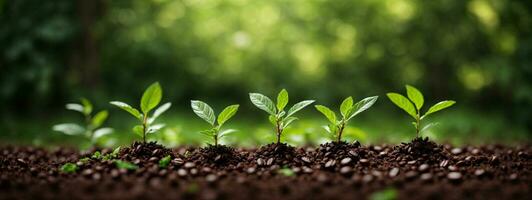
(84, 160)
(92, 128)
(348, 111)
(97, 155)
(150, 99)
(413, 104)
(125, 165)
(205, 112)
(163, 163)
(115, 153)
(278, 117)
(386, 194)
(69, 168)
(285, 171)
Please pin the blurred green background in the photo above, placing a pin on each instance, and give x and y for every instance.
(477, 52)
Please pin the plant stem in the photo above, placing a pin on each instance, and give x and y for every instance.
(144, 126)
(216, 139)
(418, 124)
(278, 130)
(340, 130)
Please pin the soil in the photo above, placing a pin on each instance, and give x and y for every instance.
(420, 169)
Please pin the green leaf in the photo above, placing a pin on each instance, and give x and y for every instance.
(346, 107)
(208, 133)
(403, 103)
(99, 118)
(282, 99)
(96, 155)
(154, 128)
(286, 172)
(415, 96)
(128, 108)
(439, 106)
(98, 133)
(273, 120)
(151, 97)
(203, 110)
(287, 121)
(331, 116)
(69, 129)
(163, 163)
(226, 132)
(298, 106)
(159, 111)
(125, 165)
(427, 127)
(115, 152)
(227, 113)
(139, 130)
(363, 105)
(262, 102)
(75, 107)
(87, 106)
(69, 168)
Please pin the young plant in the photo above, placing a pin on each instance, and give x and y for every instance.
(413, 104)
(348, 111)
(92, 126)
(205, 112)
(150, 99)
(278, 117)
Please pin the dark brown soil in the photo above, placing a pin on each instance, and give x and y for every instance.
(420, 169)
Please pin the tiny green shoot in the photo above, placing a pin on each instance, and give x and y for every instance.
(163, 163)
(150, 99)
(125, 165)
(69, 168)
(413, 104)
(205, 112)
(277, 116)
(386, 194)
(348, 110)
(285, 171)
(92, 127)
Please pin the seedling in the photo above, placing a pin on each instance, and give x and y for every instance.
(278, 117)
(205, 112)
(150, 99)
(125, 165)
(69, 168)
(92, 126)
(413, 104)
(163, 163)
(348, 111)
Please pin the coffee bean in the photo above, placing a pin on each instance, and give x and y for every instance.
(305, 159)
(411, 174)
(307, 170)
(393, 172)
(444, 163)
(153, 159)
(269, 162)
(345, 161)
(367, 178)
(364, 161)
(426, 176)
(87, 172)
(211, 178)
(250, 170)
(193, 171)
(353, 153)
(177, 161)
(456, 151)
(345, 170)
(453, 168)
(479, 172)
(454, 176)
(96, 176)
(377, 148)
(260, 162)
(423, 167)
(189, 165)
(330, 163)
(182, 172)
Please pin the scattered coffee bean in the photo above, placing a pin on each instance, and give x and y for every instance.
(364, 161)
(444, 163)
(479, 172)
(426, 176)
(411, 174)
(345, 170)
(345, 161)
(367, 178)
(269, 162)
(393, 172)
(250, 170)
(182, 172)
(456, 151)
(307, 170)
(453, 168)
(211, 178)
(177, 161)
(260, 162)
(189, 165)
(454, 176)
(423, 167)
(411, 162)
(330, 163)
(353, 153)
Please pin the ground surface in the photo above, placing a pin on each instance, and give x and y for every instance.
(417, 170)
